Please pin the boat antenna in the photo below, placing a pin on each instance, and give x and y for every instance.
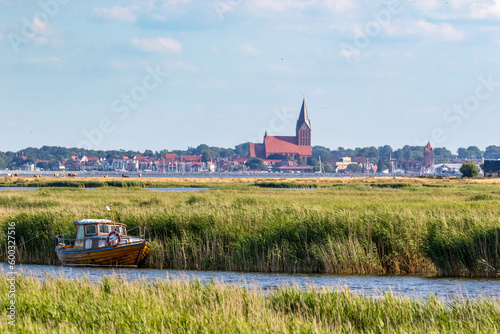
(110, 208)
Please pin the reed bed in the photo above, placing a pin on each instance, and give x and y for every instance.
(372, 226)
(117, 305)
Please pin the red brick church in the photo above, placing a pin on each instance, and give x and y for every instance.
(298, 146)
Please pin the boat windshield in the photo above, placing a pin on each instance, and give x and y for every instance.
(103, 228)
(79, 232)
(120, 229)
(90, 229)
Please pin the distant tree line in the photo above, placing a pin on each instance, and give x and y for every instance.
(376, 155)
(381, 155)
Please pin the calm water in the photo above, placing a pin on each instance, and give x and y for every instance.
(177, 189)
(19, 188)
(368, 284)
(90, 188)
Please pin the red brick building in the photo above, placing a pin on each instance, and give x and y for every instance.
(298, 146)
(428, 158)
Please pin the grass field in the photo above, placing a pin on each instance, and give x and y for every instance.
(116, 305)
(447, 227)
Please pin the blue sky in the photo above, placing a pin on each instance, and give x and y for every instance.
(177, 73)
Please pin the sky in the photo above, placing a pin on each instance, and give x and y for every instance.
(169, 74)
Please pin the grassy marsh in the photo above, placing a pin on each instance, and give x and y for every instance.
(349, 226)
(61, 305)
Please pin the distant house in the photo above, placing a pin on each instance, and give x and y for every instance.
(344, 162)
(448, 169)
(191, 158)
(412, 166)
(492, 168)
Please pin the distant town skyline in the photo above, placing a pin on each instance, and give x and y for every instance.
(178, 73)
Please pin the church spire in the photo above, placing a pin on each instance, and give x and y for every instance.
(303, 129)
(303, 117)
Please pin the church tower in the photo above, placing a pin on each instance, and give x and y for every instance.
(428, 157)
(303, 129)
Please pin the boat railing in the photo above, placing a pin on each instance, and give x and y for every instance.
(142, 232)
(65, 239)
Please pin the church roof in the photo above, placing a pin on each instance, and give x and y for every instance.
(303, 117)
(285, 145)
(428, 147)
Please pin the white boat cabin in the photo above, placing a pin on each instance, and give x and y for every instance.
(93, 233)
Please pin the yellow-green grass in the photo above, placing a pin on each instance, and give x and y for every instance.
(117, 305)
(363, 226)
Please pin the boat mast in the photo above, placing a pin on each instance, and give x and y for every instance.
(110, 208)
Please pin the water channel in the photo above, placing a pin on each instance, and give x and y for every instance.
(372, 285)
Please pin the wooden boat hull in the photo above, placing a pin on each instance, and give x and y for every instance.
(128, 255)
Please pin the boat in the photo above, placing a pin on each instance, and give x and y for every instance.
(102, 243)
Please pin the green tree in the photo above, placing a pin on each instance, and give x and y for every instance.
(242, 149)
(469, 169)
(381, 166)
(205, 156)
(474, 152)
(442, 155)
(354, 168)
(385, 151)
(492, 152)
(320, 151)
(255, 163)
(43, 165)
(327, 168)
(462, 153)
(3, 164)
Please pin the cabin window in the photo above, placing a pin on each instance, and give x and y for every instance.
(124, 230)
(118, 229)
(103, 228)
(79, 233)
(90, 229)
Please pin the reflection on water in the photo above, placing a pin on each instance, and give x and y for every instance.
(177, 189)
(19, 188)
(366, 284)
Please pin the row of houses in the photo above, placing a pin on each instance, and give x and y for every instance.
(170, 162)
(194, 163)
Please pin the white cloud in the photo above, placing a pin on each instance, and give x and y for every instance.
(179, 65)
(124, 14)
(286, 5)
(484, 11)
(348, 54)
(340, 5)
(157, 45)
(40, 25)
(443, 30)
(427, 5)
(279, 6)
(248, 50)
(43, 33)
